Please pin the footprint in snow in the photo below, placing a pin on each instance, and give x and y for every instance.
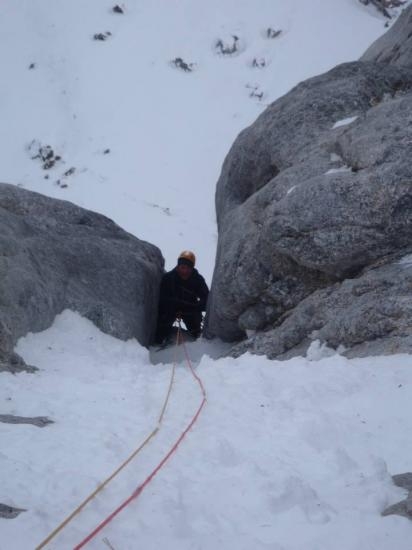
(298, 493)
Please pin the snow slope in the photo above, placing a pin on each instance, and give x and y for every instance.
(284, 456)
(168, 131)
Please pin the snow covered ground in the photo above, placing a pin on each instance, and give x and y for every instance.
(167, 131)
(291, 456)
(285, 455)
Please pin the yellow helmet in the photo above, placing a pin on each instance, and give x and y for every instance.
(187, 255)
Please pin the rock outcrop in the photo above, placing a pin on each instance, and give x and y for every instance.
(38, 421)
(314, 208)
(395, 46)
(404, 507)
(10, 512)
(55, 255)
(368, 315)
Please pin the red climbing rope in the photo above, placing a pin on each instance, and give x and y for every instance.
(149, 478)
(102, 485)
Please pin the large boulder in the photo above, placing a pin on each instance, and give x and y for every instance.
(315, 191)
(55, 255)
(367, 315)
(395, 46)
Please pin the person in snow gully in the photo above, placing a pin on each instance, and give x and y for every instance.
(183, 295)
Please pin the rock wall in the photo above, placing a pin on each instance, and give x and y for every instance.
(55, 255)
(368, 315)
(315, 192)
(395, 46)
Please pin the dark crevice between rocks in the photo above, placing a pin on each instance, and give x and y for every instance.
(270, 173)
(39, 421)
(389, 258)
(10, 512)
(253, 182)
(279, 300)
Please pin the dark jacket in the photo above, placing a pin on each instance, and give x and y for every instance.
(185, 296)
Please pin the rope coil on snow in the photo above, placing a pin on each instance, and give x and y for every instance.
(118, 470)
(149, 478)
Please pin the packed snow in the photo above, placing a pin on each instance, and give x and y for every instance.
(344, 121)
(339, 170)
(285, 455)
(406, 260)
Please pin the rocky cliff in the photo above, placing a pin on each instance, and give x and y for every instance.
(55, 255)
(314, 208)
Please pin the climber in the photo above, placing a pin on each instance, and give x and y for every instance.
(183, 295)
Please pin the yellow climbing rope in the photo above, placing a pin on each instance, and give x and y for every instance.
(123, 465)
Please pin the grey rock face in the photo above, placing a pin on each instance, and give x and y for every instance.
(38, 421)
(370, 314)
(404, 507)
(12, 362)
(10, 512)
(303, 204)
(55, 255)
(403, 480)
(395, 46)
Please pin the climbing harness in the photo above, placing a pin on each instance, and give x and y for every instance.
(136, 493)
